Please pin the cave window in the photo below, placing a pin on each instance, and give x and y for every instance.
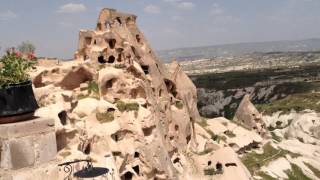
(101, 60)
(138, 38)
(111, 110)
(188, 138)
(88, 40)
(160, 92)
(127, 176)
(115, 137)
(119, 59)
(136, 169)
(219, 167)
(171, 87)
(116, 153)
(109, 84)
(111, 59)
(135, 52)
(145, 69)
(87, 149)
(209, 163)
(112, 43)
(95, 42)
(136, 154)
(99, 26)
(119, 20)
(145, 105)
(176, 160)
(147, 131)
(176, 127)
(63, 117)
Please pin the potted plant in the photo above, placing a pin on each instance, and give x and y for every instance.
(17, 101)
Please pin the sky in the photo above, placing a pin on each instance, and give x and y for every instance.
(53, 26)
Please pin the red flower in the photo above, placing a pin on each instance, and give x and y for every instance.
(31, 56)
(18, 54)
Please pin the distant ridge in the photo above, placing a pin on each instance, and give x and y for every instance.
(193, 53)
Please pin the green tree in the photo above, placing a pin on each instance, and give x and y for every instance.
(26, 47)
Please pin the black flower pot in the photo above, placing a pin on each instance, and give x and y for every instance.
(17, 102)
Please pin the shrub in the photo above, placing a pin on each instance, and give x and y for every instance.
(209, 172)
(315, 171)
(229, 133)
(93, 87)
(296, 173)
(14, 67)
(119, 66)
(26, 47)
(105, 117)
(122, 106)
(179, 104)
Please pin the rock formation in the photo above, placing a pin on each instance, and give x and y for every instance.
(117, 105)
(117, 101)
(248, 116)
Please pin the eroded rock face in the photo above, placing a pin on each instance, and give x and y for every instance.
(248, 116)
(117, 100)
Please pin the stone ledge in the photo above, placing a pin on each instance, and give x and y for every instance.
(25, 128)
(27, 144)
(49, 171)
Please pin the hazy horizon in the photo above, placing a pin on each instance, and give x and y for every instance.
(53, 26)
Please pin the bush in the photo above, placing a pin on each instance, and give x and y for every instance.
(209, 172)
(119, 66)
(230, 134)
(105, 117)
(296, 173)
(14, 67)
(179, 104)
(26, 47)
(122, 106)
(93, 87)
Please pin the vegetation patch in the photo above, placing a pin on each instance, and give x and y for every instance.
(119, 66)
(122, 106)
(278, 125)
(105, 117)
(296, 173)
(206, 151)
(245, 78)
(209, 172)
(230, 134)
(297, 102)
(93, 91)
(179, 104)
(275, 137)
(265, 176)
(315, 171)
(65, 154)
(93, 87)
(254, 161)
(216, 137)
(203, 122)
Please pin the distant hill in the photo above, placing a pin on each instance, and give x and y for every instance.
(193, 53)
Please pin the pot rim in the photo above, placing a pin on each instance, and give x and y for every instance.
(24, 83)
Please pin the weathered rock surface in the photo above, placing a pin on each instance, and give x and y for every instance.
(117, 103)
(248, 116)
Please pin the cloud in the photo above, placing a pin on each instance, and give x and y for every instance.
(7, 15)
(177, 18)
(152, 9)
(186, 5)
(172, 1)
(72, 8)
(216, 10)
